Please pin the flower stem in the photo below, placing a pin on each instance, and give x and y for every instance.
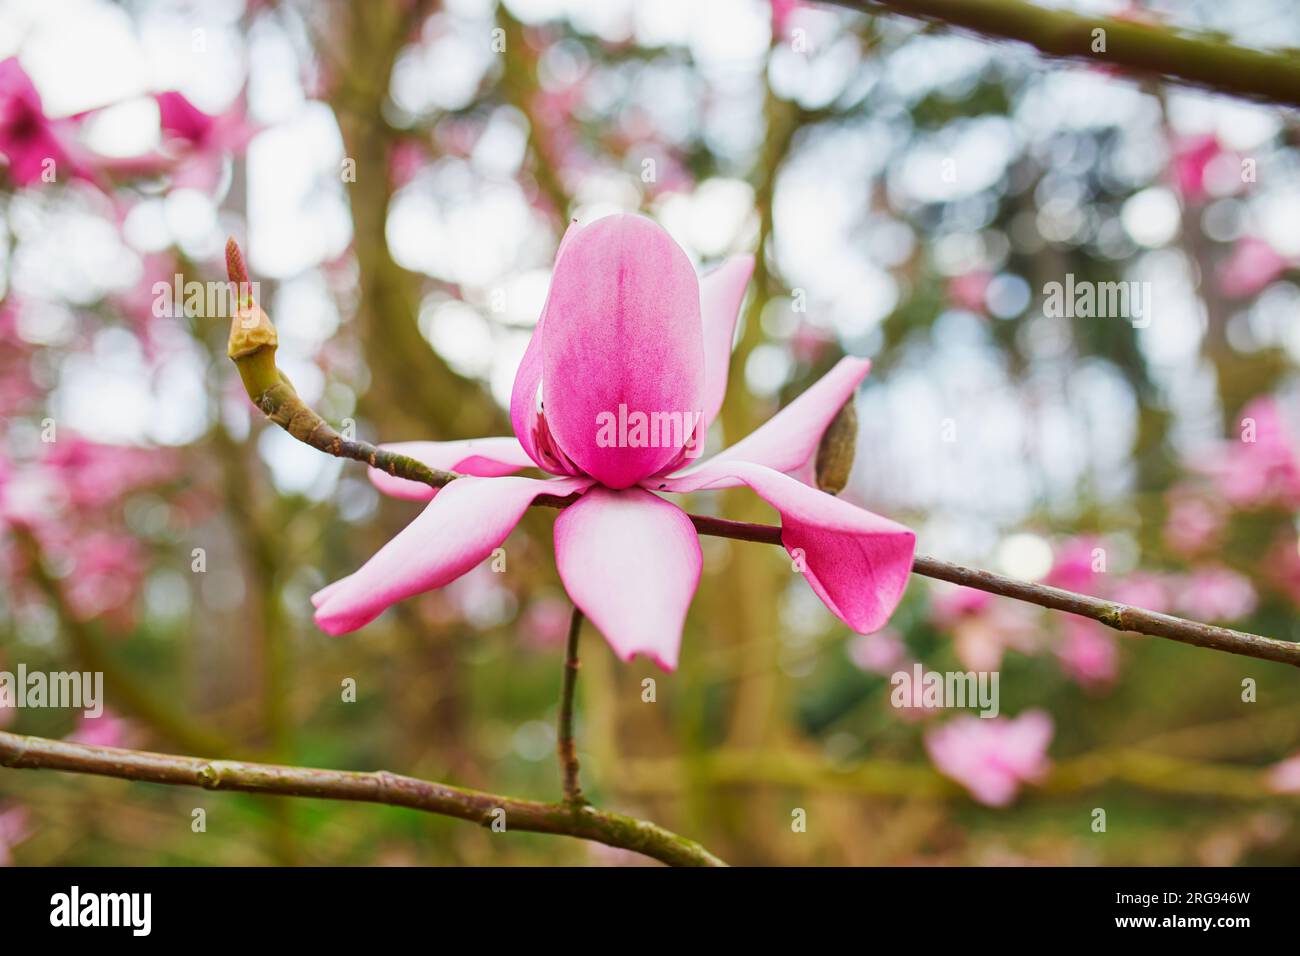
(564, 735)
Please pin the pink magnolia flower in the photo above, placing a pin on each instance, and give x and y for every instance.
(1281, 564)
(1145, 590)
(950, 605)
(992, 757)
(1217, 594)
(880, 653)
(106, 730)
(982, 628)
(1265, 471)
(1284, 777)
(1088, 653)
(809, 343)
(1192, 156)
(783, 12)
(545, 624)
(200, 140)
(28, 138)
(969, 291)
(108, 570)
(628, 330)
(1075, 566)
(1252, 265)
(14, 829)
(92, 474)
(1193, 522)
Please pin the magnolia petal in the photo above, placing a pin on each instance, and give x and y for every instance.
(631, 561)
(623, 341)
(458, 529)
(857, 562)
(526, 392)
(480, 457)
(788, 441)
(721, 292)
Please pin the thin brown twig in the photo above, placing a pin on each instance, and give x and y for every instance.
(489, 810)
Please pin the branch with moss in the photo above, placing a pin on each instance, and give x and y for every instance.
(253, 350)
(489, 810)
(1145, 49)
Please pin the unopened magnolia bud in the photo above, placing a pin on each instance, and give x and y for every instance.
(250, 331)
(835, 453)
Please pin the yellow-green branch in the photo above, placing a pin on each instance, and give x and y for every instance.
(486, 809)
(1141, 48)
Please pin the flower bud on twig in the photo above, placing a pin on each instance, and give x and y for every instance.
(835, 453)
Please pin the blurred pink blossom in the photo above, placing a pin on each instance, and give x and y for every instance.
(983, 629)
(783, 12)
(1216, 594)
(93, 474)
(1284, 777)
(949, 605)
(1075, 567)
(1252, 265)
(405, 159)
(1144, 590)
(545, 623)
(969, 291)
(1088, 653)
(1192, 155)
(1281, 565)
(810, 342)
(1193, 522)
(28, 138)
(108, 570)
(196, 143)
(1261, 472)
(14, 829)
(992, 757)
(880, 653)
(106, 730)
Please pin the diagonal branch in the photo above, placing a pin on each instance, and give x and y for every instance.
(271, 392)
(1201, 59)
(20, 752)
(1121, 617)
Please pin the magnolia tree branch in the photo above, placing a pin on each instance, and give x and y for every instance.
(252, 346)
(1200, 59)
(1121, 617)
(489, 810)
(271, 392)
